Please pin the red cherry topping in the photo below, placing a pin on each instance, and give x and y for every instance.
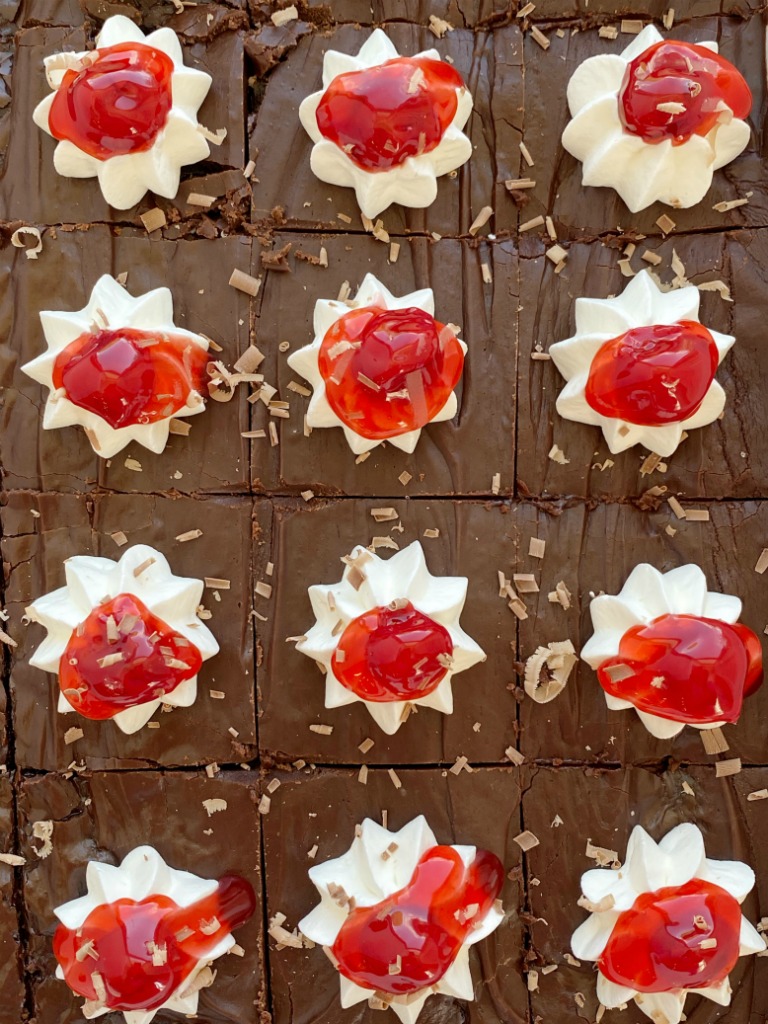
(117, 104)
(653, 375)
(674, 90)
(133, 955)
(385, 114)
(392, 653)
(388, 372)
(128, 376)
(664, 942)
(423, 926)
(121, 656)
(686, 668)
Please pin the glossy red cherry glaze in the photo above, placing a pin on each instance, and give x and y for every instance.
(699, 81)
(117, 103)
(388, 372)
(653, 375)
(424, 924)
(153, 659)
(129, 376)
(656, 945)
(392, 653)
(687, 668)
(139, 953)
(385, 114)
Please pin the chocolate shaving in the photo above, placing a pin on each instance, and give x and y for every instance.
(547, 670)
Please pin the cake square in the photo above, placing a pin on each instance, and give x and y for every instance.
(32, 191)
(490, 64)
(34, 551)
(93, 817)
(725, 459)
(587, 211)
(12, 999)
(214, 456)
(304, 545)
(486, 313)
(322, 808)
(602, 806)
(593, 551)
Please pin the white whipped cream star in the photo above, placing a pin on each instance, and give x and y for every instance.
(412, 183)
(641, 304)
(678, 858)
(369, 878)
(143, 873)
(90, 582)
(306, 361)
(110, 306)
(640, 172)
(404, 576)
(125, 178)
(646, 596)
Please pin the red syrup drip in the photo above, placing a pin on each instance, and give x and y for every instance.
(424, 924)
(686, 668)
(115, 105)
(129, 376)
(385, 114)
(388, 372)
(653, 375)
(656, 946)
(392, 653)
(154, 659)
(692, 76)
(126, 935)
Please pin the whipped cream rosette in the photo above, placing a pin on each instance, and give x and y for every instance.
(143, 936)
(120, 368)
(673, 650)
(125, 112)
(381, 367)
(123, 637)
(387, 126)
(665, 925)
(398, 913)
(641, 366)
(388, 635)
(655, 121)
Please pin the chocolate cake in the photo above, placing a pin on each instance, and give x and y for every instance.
(265, 775)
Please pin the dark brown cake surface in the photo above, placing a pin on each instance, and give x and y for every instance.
(11, 965)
